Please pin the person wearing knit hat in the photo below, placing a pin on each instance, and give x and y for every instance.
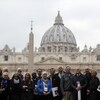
(44, 72)
(19, 69)
(44, 87)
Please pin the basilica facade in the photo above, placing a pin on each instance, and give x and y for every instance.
(58, 47)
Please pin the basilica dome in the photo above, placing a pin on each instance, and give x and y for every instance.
(58, 35)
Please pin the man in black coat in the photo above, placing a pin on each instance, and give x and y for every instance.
(79, 83)
(55, 84)
(87, 74)
(39, 76)
(35, 91)
(93, 85)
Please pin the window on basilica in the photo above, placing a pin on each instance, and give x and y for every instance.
(72, 49)
(65, 49)
(5, 58)
(58, 49)
(42, 58)
(43, 49)
(19, 58)
(98, 57)
(54, 49)
(84, 59)
(60, 58)
(73, 59)
(49, 49)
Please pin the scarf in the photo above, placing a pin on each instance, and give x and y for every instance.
(16, 81)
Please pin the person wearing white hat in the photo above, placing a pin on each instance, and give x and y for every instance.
(44, 87)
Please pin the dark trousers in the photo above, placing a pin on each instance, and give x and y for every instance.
(16, 96)
(99, 95)
(1, 97)
(35, 97)
(44, 97)
(56, 98)
(27, 96)
(75, 95)
(94, 95)
(5, 97)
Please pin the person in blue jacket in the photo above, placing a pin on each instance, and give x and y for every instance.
(44, 87)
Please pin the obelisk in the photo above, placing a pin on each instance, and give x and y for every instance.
(31, 50)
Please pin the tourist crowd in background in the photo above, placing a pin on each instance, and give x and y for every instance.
(60, 84)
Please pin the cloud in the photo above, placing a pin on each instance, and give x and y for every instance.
(80, 16)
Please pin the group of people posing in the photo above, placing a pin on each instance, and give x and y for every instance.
(50, 85)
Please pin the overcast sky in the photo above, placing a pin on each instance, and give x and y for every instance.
(82, 17)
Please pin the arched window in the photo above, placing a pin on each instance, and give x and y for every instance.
(51, 38)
